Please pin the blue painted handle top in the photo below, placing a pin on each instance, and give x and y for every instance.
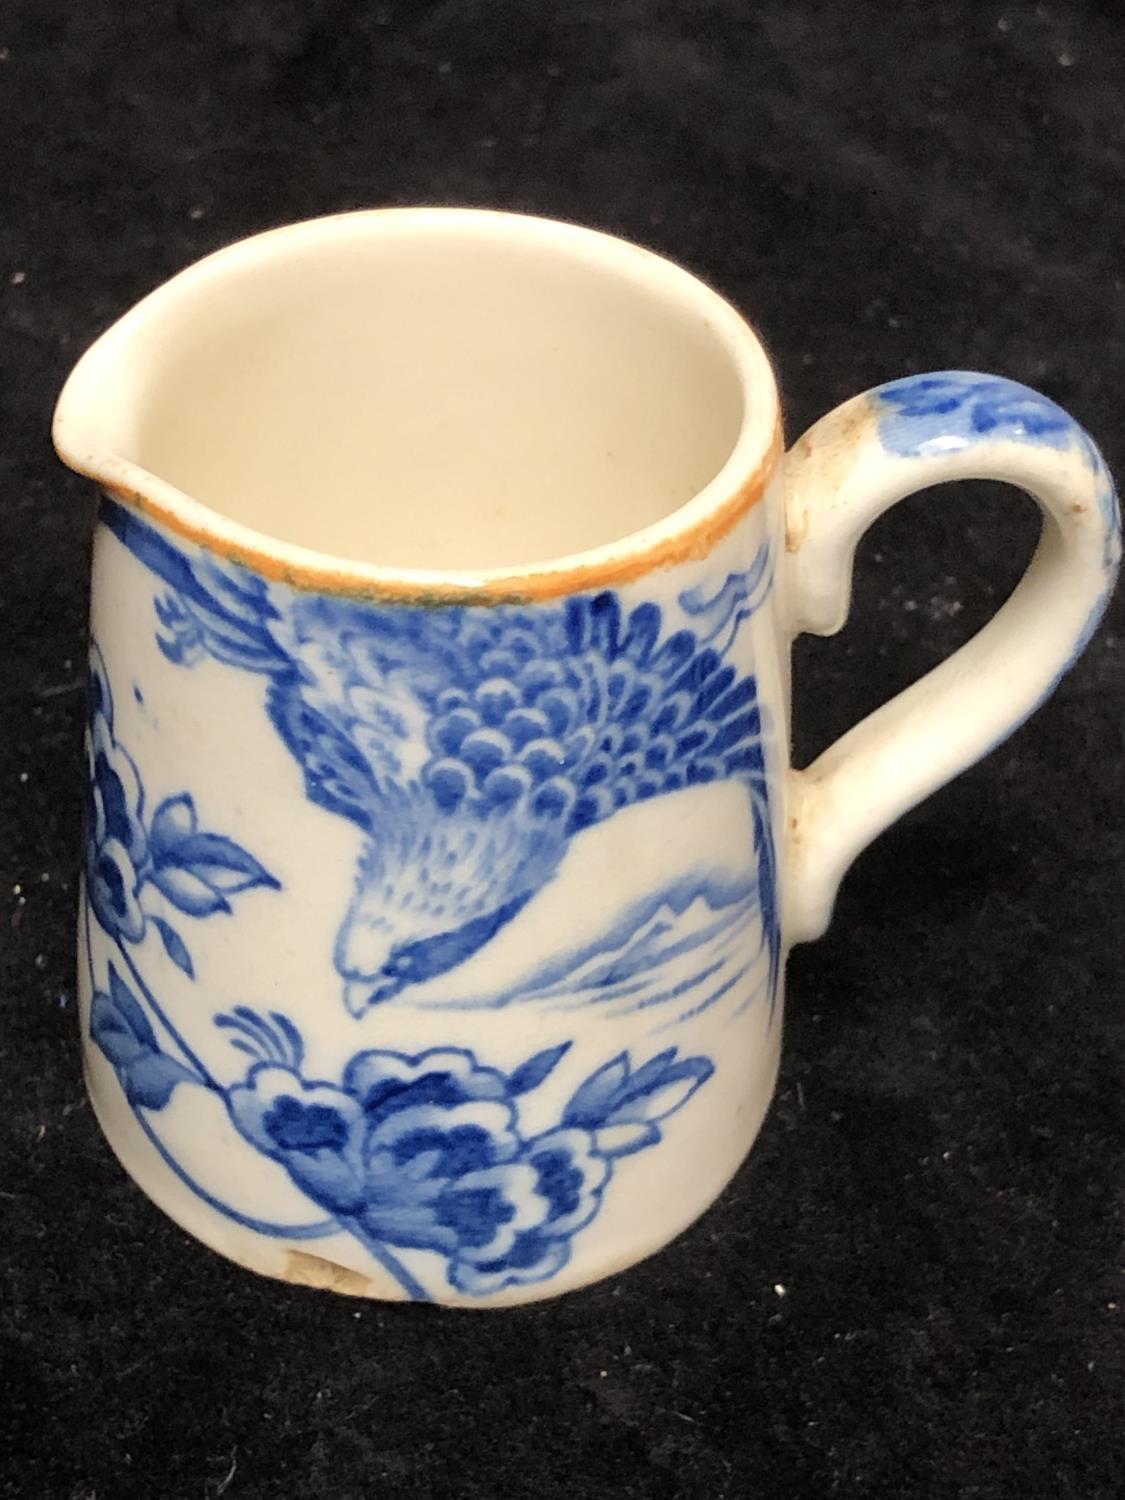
(852, 466)
(932, 415)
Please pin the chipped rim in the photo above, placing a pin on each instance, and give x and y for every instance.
(104, 377)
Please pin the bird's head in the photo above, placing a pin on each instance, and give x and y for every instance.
(378, 957)
(430, 892)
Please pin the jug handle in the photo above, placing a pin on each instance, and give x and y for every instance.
(848, 469)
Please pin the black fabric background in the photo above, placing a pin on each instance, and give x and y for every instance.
(882, 189)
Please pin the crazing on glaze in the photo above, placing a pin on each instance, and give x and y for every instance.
(470, 746)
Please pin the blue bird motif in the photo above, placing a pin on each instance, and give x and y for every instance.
(471, 744)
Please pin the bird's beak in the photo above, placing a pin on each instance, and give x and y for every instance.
(357, 995)
(361, 994)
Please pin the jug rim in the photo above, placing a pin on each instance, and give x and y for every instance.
(101, 379)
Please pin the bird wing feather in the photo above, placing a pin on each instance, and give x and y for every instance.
(558, 714)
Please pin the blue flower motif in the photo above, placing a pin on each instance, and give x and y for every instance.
(193, 870)
(426, 1152)
(422, 1152)
(313, 1129)
(116, 842)
(569, 1178)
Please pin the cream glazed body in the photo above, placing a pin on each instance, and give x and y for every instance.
(442, 850)
(644, 938)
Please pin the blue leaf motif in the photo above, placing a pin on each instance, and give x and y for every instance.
(649, 1072)
(197, 871)
(221, 863)
(615, 1096)
(661, 1094)
(128, 1009)
(123, 1032)
(186, 891)
(624, 1139)
(194, 871)
(590, 1102)
(174, 946)
(271, 1039)
(173, 821)
(530, 1075)
(293, 1047)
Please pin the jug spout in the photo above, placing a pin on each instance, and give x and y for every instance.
(104, 414)
(95, 427)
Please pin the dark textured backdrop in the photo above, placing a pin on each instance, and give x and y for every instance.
(939, 1187)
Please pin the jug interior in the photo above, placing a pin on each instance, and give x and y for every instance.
(460, 399)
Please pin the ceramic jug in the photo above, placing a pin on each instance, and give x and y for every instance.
(442, 847)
